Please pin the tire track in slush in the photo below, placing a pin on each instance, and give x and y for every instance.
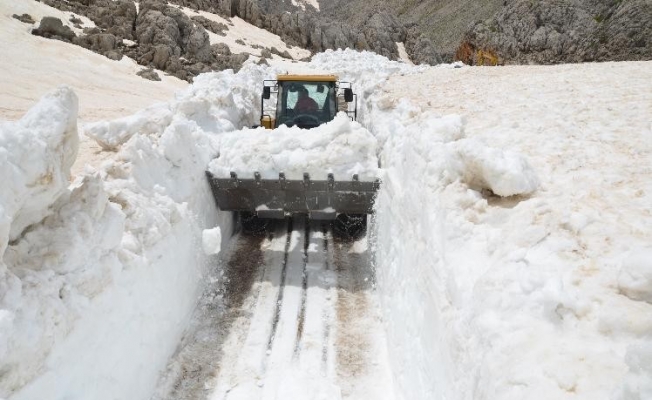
(298, 322)
(353, 349)
(281, 349)
(247, 363)
(304, 293)
(314, 347)
(279, 300)
(197, 360)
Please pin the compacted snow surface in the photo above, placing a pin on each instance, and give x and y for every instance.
(510, 243)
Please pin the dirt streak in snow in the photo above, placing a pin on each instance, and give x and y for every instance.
(221, 308)
(352, 305)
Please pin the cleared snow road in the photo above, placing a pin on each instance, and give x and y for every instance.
(293, 317)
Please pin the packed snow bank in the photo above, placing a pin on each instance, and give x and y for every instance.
(36, 154)
(423, 155)
(341, 147)
(537, 296)
(505, 173)
(215, 103)
(101, 290)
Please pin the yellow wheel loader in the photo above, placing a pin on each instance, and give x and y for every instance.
(305, 101)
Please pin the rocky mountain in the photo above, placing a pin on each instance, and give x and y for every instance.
(518, 31)
(317, 31)
(155, 34)
(161, 36)
(561, 31)
(158, 35)
(442, 22)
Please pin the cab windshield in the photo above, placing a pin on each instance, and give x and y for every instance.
(305, 104)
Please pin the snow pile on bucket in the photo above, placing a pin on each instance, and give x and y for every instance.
(341, 147)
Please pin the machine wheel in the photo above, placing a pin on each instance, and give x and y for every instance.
(350, 225)
(251, 223)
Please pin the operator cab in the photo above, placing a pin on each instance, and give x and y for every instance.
(306, 101)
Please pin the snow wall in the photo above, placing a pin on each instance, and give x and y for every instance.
(98, 278)
(491, 284)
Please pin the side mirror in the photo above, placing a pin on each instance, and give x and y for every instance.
(348, 95)
(266, 92)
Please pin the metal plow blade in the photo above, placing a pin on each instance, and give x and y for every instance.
(278, 198)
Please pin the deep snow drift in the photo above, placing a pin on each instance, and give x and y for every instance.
(512, 262)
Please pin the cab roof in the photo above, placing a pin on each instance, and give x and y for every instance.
(307, 78)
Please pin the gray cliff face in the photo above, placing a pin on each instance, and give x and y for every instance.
(164, 37)
(474, 31)
(434, 25)
(516, 31)
(546, 32)
(374, 30)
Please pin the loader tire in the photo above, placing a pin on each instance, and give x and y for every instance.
(350, 226)
(252, 224)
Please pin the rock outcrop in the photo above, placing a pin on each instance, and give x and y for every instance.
(561, 31)
(376, 31)
(212, 26)
(53, 28)
(149, 74)
(156, 36)
(24, 18)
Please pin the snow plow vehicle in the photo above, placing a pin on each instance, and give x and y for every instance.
(305, 101)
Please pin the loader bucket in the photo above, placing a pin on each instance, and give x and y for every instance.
(278, 198)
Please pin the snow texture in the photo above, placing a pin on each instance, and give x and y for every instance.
(341, 147)
(212, 240)
(541, 294)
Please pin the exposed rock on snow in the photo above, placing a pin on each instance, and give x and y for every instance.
(164, 27)
(436, 24)
(420, 48)
(102, 43)
(161, 36)
(377, 31)
(221, 48)
(24, 18)
(51, 27)
(212, 26)
(114, 16)
(149, 73)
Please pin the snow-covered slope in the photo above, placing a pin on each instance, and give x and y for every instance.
(32, 66)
